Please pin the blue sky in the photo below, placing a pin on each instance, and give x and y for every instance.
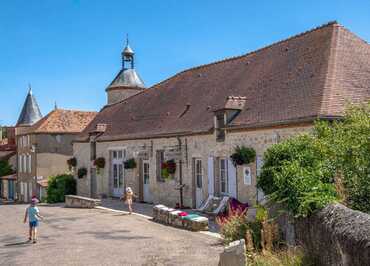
(70, 50)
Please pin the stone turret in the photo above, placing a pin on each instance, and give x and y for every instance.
(127, 83)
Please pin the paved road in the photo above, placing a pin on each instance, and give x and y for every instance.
(97, 237)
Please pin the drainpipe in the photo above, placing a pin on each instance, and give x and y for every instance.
(180, 175)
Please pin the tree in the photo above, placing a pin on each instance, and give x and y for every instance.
(5, 168)
(307, 172)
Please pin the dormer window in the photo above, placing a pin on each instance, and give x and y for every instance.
(224, 116)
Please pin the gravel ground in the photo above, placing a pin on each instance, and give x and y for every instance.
(97, 237)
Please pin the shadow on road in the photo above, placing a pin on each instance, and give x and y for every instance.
(116, 235)
(23, 243)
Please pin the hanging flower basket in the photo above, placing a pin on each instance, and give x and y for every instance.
(99, 163)
(243, 155)
(130, 164)
(168, 169)
(81, 172)
(72, 162)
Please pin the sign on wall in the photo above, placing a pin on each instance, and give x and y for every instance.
(247, 175)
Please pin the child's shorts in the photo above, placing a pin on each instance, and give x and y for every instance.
(34, 224)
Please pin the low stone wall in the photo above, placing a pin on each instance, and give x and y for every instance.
(168, 216)
(336, 236)
(234, 254)
(72, 201)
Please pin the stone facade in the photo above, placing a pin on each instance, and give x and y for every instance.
(201, 147)
(40, 156)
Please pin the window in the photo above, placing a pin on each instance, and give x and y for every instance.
(23, 168)
(224, 176)
(198, 173)
(117, 168)
(29, 164)
(20, 163)
(146, 172)
(120, 175)
(220, 124)
(160, 160)
(115, 175)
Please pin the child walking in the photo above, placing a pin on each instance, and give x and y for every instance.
(128, 198)
(33, 215)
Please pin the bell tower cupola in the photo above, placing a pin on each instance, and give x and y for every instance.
(127, 82)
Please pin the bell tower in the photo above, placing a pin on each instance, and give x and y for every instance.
(127, 82)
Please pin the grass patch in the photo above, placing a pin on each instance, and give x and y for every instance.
(288, 257)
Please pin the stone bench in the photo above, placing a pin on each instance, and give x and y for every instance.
(168, 216)
(72, 201)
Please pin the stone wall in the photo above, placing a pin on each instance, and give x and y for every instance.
(198, 146)
(336, 235)
(50, 164)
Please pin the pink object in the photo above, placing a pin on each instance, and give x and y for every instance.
(182, 214)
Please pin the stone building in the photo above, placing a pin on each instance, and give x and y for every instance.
(44, 145)
(198, 117)
(8, 151)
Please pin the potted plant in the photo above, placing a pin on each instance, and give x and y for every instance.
(99, 163)
(130, 164)
(243, 155)
(72, 163)
(81, 172)
(168, 169)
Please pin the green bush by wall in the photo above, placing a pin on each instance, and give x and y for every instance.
(59, 186)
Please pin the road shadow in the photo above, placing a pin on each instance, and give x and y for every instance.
(115, 235)
(17, 244)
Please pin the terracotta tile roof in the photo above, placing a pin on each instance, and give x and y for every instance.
(63, 121)
(307, 76)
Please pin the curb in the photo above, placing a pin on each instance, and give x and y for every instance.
(123, 212)
(215, 235)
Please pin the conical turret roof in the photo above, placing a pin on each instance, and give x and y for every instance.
(30, 113)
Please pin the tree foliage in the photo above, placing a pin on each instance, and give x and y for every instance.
(303, 172)
(348, 146)
(59, 186)
(5, 168)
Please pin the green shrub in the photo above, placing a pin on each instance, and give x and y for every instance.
(348, 145)
(5, 168)
(243, 155)
(59, 186)
(307, 172)
(297, 174)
